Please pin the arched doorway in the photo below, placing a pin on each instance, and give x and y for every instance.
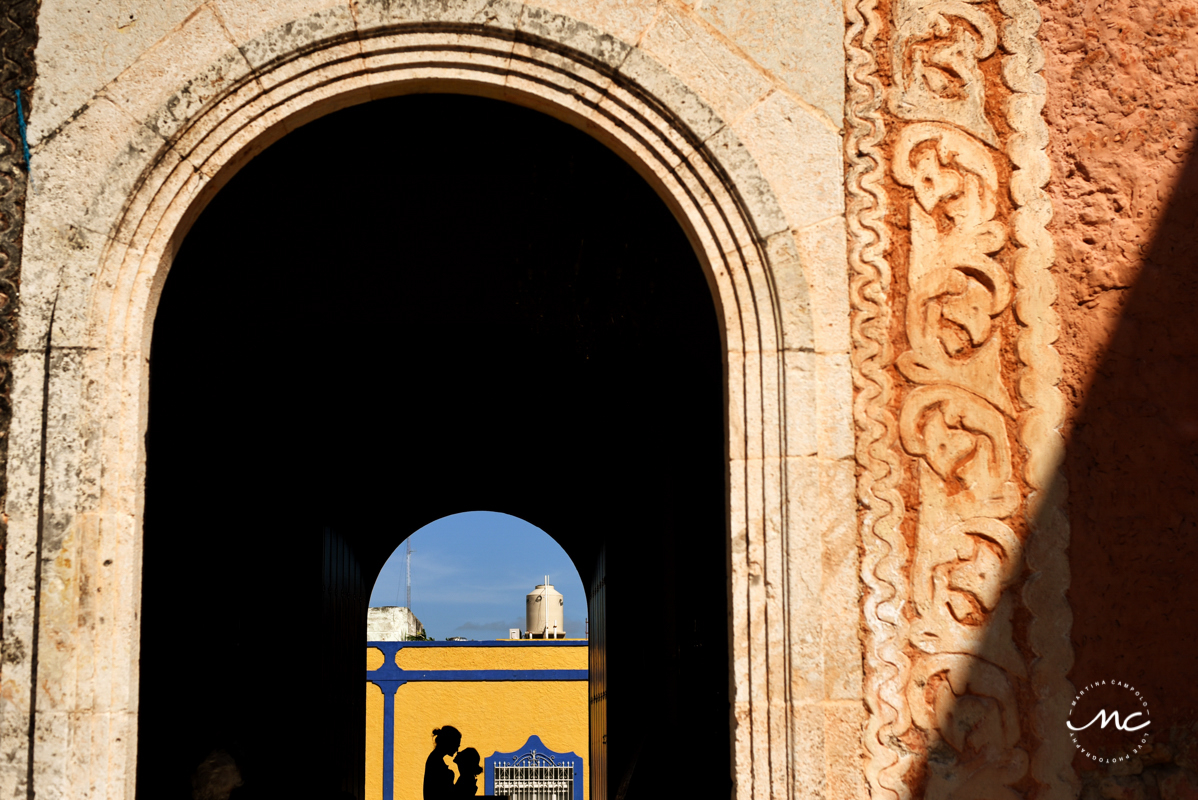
(426, 323)
(763, 233)
(477, 665)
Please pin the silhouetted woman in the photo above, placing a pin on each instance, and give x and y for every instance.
(469, 768)
(438, 777)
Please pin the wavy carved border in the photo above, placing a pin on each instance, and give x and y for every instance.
(901, 666)
(878, 467)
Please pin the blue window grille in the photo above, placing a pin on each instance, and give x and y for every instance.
(534, 772)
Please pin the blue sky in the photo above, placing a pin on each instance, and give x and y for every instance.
(471, 571)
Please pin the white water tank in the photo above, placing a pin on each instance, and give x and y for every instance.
(545, 612)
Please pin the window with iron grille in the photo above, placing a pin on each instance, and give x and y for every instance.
(534, 772)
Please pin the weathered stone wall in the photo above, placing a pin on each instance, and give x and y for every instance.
(18, 37)
(732, 110)
(391, 624)
(1123, 111)
(978, 341)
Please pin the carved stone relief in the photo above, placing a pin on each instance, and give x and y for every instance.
(956, 405)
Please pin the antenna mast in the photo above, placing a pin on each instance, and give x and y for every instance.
(408, 560)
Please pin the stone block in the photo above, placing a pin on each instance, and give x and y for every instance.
(689, 110)
(834, 405)
(758, 194)
(807, 751)
(799, 154)
(82, 47)
(299, 22)
(467, 63)
(591, 42)
(804, 595)
(791, 283)
(800, 44)
(373, 15)
(773, 434)
(625, 20)
(650, 137)
(729, 225)
(708, 64)
(556, 84)
(737, 401)
(840, 582)
(823, 255)
(754, 432)
(50, 251)
(801, 409)
(292, 37)
(84, 177)
(167, 86)
(844, 728)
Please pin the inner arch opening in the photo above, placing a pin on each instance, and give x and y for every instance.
(466, 575)
(403, 310)
(477, 674)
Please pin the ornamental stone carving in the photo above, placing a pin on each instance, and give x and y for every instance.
(956, 287)
(956, 382)
(935, 54)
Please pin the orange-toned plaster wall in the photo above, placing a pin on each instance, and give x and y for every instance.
(1123, 112)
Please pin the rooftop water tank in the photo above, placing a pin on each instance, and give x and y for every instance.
(546, 612)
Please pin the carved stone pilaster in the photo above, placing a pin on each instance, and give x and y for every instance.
(957, 408)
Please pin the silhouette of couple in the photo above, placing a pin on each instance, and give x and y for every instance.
(438, 777)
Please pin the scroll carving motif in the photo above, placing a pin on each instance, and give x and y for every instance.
(956, 287)
(944, 674)
(955, 425)
(966, 455)
(935, 54)
(971, 709)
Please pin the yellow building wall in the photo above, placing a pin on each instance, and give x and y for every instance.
(374, 742)
(493, 716)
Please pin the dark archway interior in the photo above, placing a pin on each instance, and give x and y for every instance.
(407, 309)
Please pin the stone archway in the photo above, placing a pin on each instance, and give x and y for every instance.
(96, 260)
(460, 354)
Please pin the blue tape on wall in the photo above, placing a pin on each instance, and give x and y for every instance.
(24, 136)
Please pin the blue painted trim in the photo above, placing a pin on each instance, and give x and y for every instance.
(487, 643)
(389, 672)
(535, 745)
(388, 688)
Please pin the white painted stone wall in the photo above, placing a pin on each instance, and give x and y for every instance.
(391, 624)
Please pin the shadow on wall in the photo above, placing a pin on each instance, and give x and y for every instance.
(1131, 468)
(1131, 464)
